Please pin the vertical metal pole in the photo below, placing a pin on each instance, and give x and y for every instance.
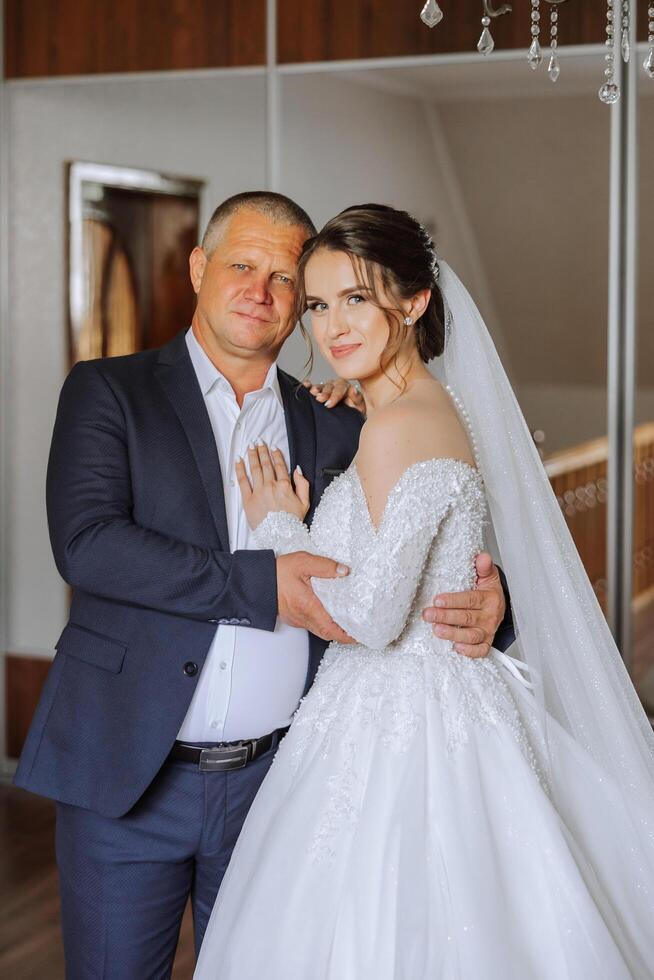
(623, 245)
(272, 98)
(5, 386)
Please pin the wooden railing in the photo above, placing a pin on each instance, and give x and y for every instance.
(578, 477)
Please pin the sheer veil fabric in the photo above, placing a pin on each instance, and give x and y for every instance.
(579, 678)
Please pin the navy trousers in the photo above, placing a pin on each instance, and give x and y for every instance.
(124, 882)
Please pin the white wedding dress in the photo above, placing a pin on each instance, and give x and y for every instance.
(406, 829)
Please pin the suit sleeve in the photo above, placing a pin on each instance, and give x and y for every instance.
(505, 635)
(99, 548)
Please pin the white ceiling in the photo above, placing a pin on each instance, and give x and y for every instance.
(497, 78)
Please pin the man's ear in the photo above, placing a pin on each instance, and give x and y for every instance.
(197, 264)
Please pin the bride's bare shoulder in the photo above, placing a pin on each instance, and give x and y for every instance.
(422, 424)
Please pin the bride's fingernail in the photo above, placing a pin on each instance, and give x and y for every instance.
(299, 469)
(342, 569)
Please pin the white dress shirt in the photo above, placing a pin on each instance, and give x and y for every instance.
(252, 680)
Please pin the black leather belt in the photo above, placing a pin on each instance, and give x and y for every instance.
(226, 755)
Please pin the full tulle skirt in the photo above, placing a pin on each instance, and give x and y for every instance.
(406, 830)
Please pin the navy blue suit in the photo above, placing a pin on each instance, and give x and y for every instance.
(138, 528)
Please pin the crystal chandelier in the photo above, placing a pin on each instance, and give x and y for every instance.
(617, 20)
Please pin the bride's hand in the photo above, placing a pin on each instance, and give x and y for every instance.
(338, 390)
(271, 487)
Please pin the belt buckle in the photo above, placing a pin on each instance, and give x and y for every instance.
(219, 759)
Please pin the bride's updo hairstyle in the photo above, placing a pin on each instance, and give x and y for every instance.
(388, 248)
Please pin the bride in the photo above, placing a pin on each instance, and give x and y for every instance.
(430, 815)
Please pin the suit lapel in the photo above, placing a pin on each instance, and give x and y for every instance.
(175, 373)
(301, 431)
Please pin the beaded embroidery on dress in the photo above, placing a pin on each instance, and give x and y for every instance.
(405, 830)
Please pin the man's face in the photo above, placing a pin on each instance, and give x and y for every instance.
(246, 290)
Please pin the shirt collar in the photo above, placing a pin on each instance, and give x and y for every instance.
(208, 374)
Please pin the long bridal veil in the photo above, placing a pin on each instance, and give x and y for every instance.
(580, 681)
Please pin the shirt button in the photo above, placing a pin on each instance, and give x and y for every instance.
(223, 665)
(214, 724)
(232, 483)
(238, 425)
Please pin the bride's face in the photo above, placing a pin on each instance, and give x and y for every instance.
(350, 330)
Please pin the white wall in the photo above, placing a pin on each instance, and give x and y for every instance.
(211, 128)
(344, 143)
(520, 207)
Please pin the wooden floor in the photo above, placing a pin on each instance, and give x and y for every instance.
(30, 944)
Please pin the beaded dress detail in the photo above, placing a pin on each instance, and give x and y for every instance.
(405, 830)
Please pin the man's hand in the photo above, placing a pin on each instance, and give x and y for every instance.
(297, 603)
(338, 390)
(471, 619)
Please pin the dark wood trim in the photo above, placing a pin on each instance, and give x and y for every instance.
(88, 37)
(24, 679)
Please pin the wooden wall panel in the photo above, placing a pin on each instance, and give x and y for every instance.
(24, 678)
(80, 37)
(327, 30)
(73, 37)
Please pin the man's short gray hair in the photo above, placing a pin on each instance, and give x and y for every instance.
(277, 207)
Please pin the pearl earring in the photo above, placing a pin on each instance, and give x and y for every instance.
(408, 321)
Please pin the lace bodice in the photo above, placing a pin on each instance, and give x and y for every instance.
(426, 542)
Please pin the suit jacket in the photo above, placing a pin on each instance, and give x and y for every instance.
(138, 528)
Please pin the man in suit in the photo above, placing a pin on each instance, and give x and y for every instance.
(186, 652)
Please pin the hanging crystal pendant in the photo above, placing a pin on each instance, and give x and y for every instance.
(486, 43)
(624, 41)
(535, 55)
(609, 92)
(648, 63)
(554, 68)
(431, 14)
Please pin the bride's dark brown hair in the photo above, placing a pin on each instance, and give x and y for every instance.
(388, 247)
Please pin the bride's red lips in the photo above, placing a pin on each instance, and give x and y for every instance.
(343, 350)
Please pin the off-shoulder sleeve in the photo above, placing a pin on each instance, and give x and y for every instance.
(373, 602)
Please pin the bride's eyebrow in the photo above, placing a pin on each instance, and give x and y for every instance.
(357, 288)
